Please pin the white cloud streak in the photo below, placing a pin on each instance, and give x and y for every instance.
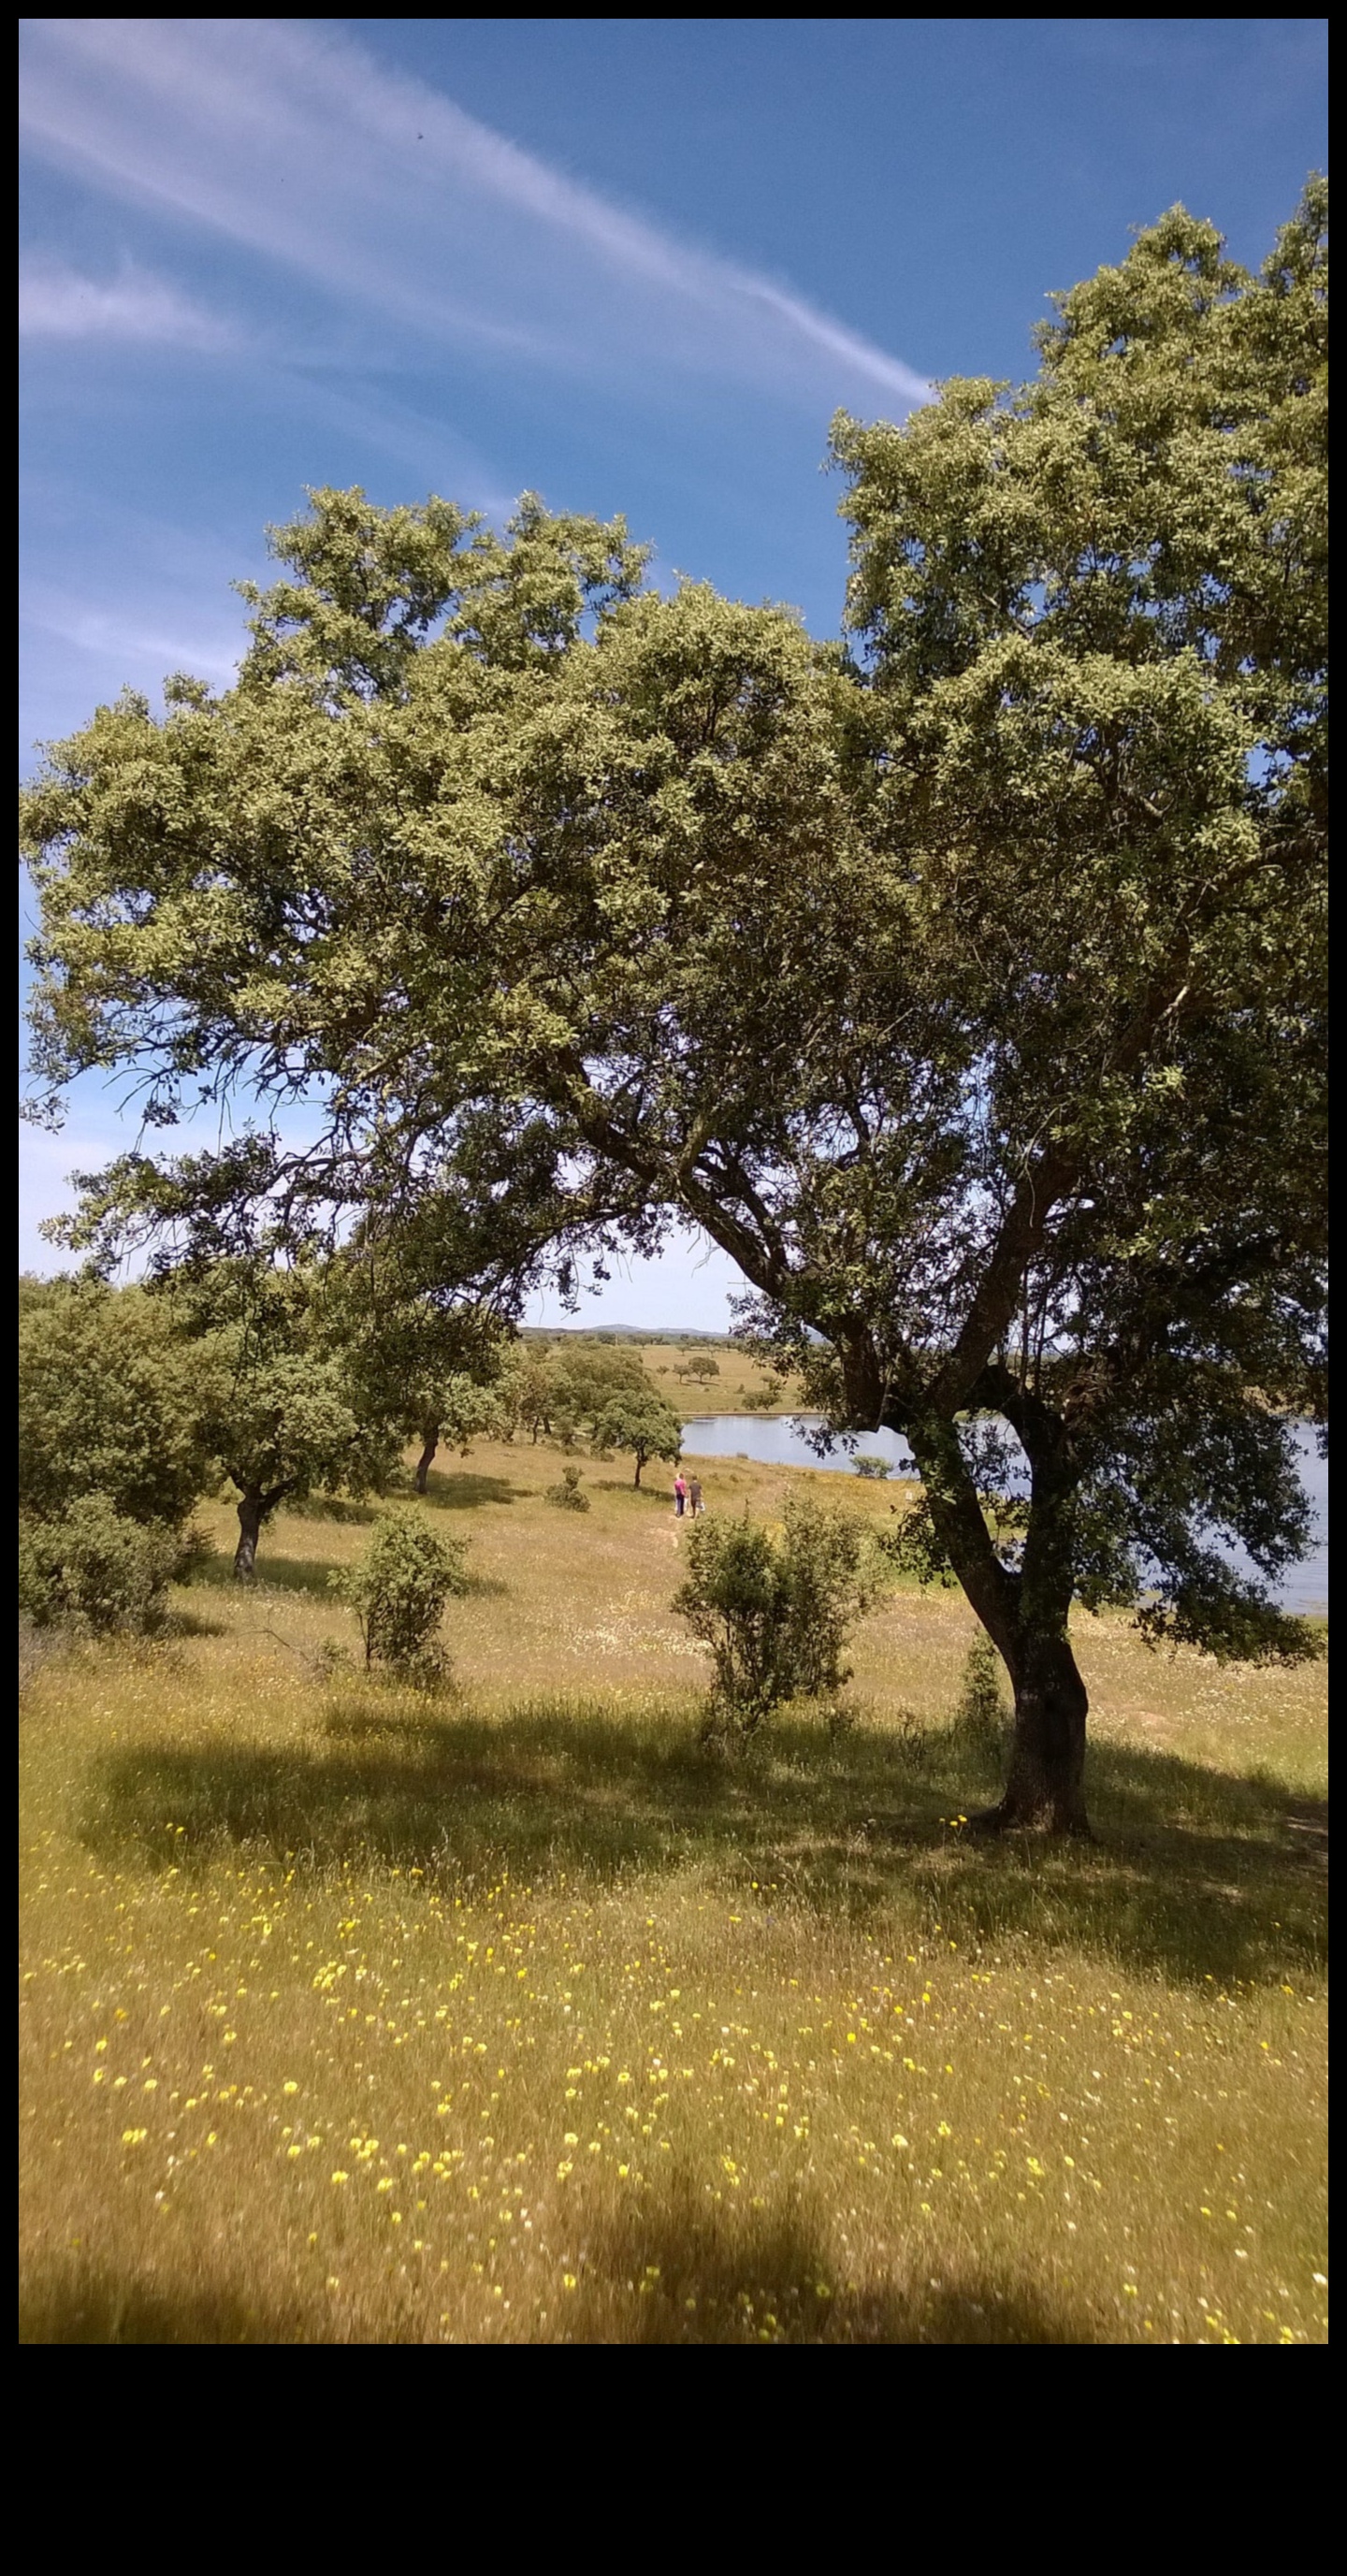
(57, 303)
(113, 639)
(297, 145)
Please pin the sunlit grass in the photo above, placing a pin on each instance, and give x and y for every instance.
(515, 2014)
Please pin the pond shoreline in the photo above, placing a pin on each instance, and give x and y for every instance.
(782, 1440)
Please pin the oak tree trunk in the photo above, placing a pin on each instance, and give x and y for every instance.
(1045, 1777)
(250, 1530)
(424, 1462)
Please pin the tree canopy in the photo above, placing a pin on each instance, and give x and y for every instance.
(963, 979)
(110, 1403)
(642, 1423)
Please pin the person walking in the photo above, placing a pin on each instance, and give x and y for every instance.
(695, 1504)
(680, 1495)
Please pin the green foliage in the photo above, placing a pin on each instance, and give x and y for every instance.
(965, 984)
(870, 1465)
(566, 1494)
(640, 1422)
(982, 1712)
(399, 1589)
(292, 1404)
(95, 1568)
(111, 1402)
(775, 1612)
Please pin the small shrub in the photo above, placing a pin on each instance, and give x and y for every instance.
(399, 1590)
(911, 1738)
(872, 1466)
(567, 1495)
(94, 1569)
(774, 1612)
(982, 1712)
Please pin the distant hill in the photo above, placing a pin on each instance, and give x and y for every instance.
(671, 1333)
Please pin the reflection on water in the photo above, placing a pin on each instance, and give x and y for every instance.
(781, 1440)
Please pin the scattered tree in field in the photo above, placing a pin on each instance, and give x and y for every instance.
(870, 1465)
(640, 1422)
(563, 1393)
(458, 1411)
(775, 1613)
(288, 1411)
(399, 1590)
(430, 1362)
(965, 986)
(702, 1367)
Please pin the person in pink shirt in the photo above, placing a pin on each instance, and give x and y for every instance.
(680, 1495)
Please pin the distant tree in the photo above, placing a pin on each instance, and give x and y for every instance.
(641, 1422)
(535, 1389)
(702, 1366)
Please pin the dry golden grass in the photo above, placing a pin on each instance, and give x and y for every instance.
(739, 1377)
(515, 2015)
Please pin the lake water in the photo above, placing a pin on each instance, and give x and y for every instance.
(781, 1440)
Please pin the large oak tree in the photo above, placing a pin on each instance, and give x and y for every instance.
(964, 981)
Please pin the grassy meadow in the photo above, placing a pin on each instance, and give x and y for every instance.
(738, 1377)
(514, 2014)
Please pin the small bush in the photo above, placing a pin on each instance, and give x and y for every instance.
(567, 1495)
(982, 1712)
(399, 1590)
(94, 1569)
(872, 1466)
(774, 1612)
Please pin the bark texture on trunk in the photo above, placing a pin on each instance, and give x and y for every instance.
(1045, 1778)
(426, 1459)
(255, 1506)
(1024, 1612)
(250, 1530)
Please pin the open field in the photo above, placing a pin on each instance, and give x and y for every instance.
(738, 1377)
(515, 2015)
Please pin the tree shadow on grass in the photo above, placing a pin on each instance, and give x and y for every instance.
(77, 2302)
(683, 2270)
(456, 1490)
(1197, 1873)
(274, 1574)
(674, 2269)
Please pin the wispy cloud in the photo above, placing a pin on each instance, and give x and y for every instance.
(111, 637)
(297, 144)
(57, 303)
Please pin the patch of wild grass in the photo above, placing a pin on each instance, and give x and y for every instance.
(513, 2013)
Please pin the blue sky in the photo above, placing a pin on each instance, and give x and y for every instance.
(634, 264)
